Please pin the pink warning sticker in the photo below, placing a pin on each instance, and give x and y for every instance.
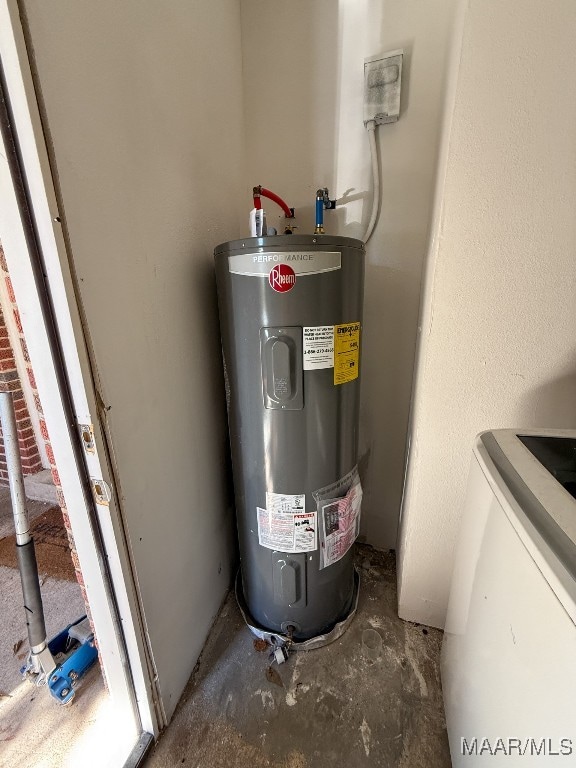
(339, 525)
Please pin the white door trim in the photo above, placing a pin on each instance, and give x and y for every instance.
(35, 162)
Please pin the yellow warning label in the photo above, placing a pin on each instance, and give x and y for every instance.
(346, 352)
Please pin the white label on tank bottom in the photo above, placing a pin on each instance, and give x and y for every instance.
(305, 532)
(287, 532)
(318, 347)
(285, 525)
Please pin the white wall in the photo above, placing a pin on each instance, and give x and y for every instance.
(497, 347)
(143, 104)
(303, 79)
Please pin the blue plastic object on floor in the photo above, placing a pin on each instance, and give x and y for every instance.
(76, 643)
(74, 652)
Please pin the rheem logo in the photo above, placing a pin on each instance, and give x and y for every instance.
(282, 278)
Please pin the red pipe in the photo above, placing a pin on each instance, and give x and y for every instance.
(278, 200)
(257, 202)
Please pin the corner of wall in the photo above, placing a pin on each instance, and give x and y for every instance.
(411, 607)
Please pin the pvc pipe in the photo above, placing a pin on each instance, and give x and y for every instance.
(371, 128)
(15, 478)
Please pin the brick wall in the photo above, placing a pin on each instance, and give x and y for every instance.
(10, 382)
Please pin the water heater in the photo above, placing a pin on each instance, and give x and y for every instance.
(290, 316)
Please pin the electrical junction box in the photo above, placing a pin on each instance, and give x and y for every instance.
(382, 84)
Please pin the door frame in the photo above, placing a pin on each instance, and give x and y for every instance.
(34, 238)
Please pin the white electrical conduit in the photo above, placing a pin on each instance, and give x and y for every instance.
(371, 128)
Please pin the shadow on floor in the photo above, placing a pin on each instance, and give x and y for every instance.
(333, 707)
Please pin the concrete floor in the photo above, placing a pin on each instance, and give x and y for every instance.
(35, 509)
(329, 707)
(35, 731)
(63, 604)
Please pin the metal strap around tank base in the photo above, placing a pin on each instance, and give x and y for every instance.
(279, 639)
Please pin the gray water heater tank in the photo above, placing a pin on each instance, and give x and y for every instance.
(290, 316)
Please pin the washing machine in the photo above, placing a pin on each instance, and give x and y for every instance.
(509, 650)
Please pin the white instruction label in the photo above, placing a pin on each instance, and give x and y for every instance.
(305, 536)
(282, 503)
(318, 347)
(286, 526)
(275, 531)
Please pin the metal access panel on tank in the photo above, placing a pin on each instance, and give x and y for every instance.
(290, 315)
